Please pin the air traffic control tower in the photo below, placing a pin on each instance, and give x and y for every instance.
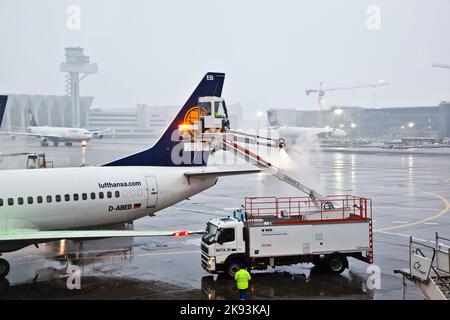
(78, 67)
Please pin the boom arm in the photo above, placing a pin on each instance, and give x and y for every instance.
(256, 160)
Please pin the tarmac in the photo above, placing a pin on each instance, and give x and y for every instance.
(410, 195)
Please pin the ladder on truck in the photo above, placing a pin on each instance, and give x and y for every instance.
(229, 141)
(429, 269)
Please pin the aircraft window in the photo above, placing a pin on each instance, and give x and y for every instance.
(30, 200)
(49, 199)
(67, 197)
(76, 197)
(109, 194)
(20, 201)
(117, 194)
(1, 202)
(11, 201)
(39, 199)
(93, 195)
(84, 196)
(101, 195)
(58, 198)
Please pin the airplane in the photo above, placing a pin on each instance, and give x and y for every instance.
(292, 134)
(38, 206)
(57, 134)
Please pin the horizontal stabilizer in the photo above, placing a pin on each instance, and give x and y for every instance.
(204, 174)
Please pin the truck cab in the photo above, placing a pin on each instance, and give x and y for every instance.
(223, 245)
(214, 115)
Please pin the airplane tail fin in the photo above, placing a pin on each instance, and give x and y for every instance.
(31, 120)
(168, 150)
(272, 119)
(3, 101)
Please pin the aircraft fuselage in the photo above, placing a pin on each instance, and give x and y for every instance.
(68, 198)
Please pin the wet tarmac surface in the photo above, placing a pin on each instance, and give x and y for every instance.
(409, 193)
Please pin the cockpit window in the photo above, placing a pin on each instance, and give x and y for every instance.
(210, 234)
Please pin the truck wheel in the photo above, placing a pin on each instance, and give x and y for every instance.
(233, 267)
(4, 268)
(336, 263)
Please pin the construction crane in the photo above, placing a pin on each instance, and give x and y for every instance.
(321, 93)
(440, 65)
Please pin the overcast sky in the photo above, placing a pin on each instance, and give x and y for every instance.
(155, 52)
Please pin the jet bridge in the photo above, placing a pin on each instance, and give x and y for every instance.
(429, 268)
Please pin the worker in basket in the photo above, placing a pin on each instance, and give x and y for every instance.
(242, 278)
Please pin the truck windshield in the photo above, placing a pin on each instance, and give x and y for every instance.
(219, 111)
(210, 234)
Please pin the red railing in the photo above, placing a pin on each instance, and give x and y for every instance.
(336, 208)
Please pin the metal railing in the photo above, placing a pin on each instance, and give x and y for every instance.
(304, 209)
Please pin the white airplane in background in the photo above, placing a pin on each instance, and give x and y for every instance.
(292, 134)
(57, 134)
(43, 205)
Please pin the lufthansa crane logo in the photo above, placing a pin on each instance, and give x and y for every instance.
(191, 119)
(192, 115)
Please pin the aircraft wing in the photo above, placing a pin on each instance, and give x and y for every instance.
(207, 173)
(4, 155)
(101, 131)
(44, 236)
(37, 135)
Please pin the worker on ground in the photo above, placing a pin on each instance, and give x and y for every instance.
(242, 278)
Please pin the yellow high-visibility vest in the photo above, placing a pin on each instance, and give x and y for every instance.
(242, 277)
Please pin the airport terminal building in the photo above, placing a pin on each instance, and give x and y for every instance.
(424, 121)
(57, 111)
(142, 121)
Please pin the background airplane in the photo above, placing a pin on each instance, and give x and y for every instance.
(44, 205)
(57, 135)
(294, 134)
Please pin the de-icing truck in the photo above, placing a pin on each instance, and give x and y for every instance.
(276, 231)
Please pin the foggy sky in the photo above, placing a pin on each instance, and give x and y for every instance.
(156, 52)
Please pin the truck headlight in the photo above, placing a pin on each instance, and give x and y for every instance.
(211, 262)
